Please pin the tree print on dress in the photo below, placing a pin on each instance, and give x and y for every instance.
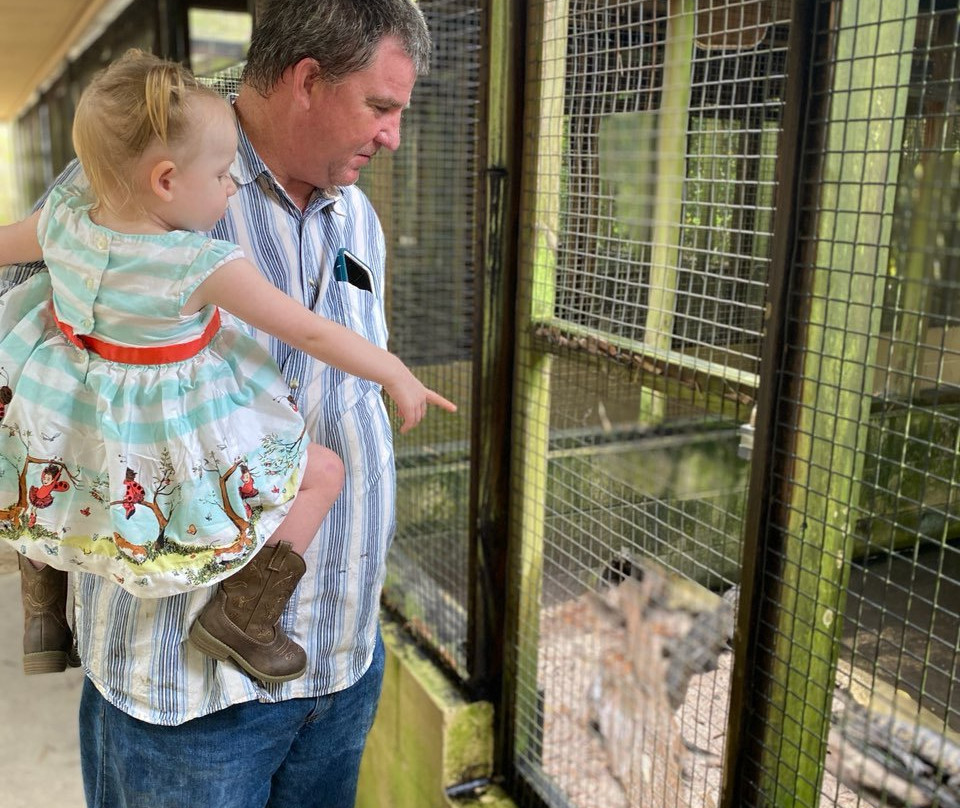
(219, 487)
(165, 496)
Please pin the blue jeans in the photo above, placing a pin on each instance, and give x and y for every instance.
(301, 753)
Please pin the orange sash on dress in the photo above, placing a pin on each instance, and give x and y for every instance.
(129, 355)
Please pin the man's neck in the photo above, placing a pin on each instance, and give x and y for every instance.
(265, 124)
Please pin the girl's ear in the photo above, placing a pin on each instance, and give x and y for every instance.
(161, 179)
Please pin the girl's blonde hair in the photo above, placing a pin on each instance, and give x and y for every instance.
(127, 106)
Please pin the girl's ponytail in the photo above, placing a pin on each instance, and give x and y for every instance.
(137, 100)
(164, 92)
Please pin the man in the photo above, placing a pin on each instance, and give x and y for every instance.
(161, 725)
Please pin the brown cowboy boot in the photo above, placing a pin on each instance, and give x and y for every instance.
(47, 639)
(240, 622)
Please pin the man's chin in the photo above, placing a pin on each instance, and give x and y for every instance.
(347, 177)
(355, 167)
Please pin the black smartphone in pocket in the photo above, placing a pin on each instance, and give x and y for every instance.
(351, 269)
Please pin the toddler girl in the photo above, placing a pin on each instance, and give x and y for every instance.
(146, 437)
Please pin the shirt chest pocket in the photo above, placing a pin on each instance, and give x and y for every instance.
(357, 309)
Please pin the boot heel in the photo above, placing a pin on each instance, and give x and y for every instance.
(44, 662)
(206, 643)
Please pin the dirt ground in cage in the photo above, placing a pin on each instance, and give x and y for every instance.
(574, 756)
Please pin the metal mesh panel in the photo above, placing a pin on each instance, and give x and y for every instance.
(425, 195)
(900, 640)
(648, 214)
(857, 701)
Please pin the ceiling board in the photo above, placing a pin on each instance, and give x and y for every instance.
(35, 37)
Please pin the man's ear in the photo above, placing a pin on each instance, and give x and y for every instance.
(161, 179)
(303, 76)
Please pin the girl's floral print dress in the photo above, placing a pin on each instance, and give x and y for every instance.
(156, 449)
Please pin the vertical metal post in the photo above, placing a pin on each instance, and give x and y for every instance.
(173, 38)
(741, 751)
(493, 363)
(546, 46)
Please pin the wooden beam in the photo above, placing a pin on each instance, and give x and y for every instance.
(802, 555)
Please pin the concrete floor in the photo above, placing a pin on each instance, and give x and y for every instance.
(39, 751)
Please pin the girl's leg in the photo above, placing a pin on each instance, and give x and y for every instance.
(321, 485)
(241, 622)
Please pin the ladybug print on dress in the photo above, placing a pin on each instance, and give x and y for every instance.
(6, 396)
(133, 493)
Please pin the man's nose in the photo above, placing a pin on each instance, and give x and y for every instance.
(389, 136)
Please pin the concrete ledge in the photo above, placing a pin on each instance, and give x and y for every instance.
(426, 737)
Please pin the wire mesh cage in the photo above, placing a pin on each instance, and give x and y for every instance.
(653, 188)
(653, 210)
(893, 701)
(855, 640)
(426, 197)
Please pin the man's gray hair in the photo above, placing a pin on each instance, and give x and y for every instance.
(341, 35)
